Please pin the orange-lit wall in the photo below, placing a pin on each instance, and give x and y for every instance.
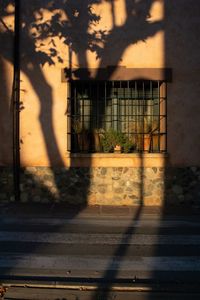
(161, 35)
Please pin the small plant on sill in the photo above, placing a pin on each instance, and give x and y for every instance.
(115, 141)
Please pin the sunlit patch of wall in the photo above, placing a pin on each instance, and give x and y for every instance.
(8, 19)
(140, 51)
(7, 75)
(43, 96)
(112, 14)
(32, 145)
(149, 52)
(59, 108)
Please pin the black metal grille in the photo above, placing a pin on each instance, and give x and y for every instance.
(133, 111)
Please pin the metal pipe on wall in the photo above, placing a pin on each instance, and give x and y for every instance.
(16, 102)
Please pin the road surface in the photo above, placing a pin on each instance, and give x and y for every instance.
(102, 252)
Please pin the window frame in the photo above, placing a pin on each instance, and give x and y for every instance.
(162, 116)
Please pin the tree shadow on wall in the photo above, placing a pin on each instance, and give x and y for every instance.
(5, 117)
(36, 28)
(73, 31)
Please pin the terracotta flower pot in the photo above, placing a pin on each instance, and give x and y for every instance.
(147, 142)
(118, 149)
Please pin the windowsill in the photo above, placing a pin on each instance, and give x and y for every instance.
(110, 155)
(117, 159)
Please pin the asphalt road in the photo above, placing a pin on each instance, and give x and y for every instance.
(127, 251)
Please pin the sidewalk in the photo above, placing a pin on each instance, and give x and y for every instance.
(62, 210)
(57, 243)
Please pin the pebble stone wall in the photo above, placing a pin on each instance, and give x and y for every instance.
(104, 186)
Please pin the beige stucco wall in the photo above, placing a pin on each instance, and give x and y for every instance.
(168, 39)
(50, 141)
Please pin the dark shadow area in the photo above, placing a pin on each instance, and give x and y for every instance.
(181, 186)
(5, 117)
(5, 134)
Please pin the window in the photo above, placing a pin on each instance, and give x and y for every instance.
(129, 114)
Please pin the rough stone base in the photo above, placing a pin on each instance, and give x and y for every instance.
(104, 186)
(6, 184)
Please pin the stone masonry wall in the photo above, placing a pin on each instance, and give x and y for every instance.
(6, 185)
(104, 186)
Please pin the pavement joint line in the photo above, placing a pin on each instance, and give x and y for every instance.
(117, 288)
(78, 287)
(152, 288)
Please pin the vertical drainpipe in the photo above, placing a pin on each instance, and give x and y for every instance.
(16, 103)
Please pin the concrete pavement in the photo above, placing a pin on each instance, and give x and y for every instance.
(59, 246)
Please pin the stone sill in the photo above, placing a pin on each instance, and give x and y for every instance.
(116, 160)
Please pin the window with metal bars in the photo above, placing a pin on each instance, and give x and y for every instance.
(128, 114)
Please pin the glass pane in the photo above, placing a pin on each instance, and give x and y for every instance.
(132, 108)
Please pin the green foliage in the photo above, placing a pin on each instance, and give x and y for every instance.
(111, 138)
(127, 146)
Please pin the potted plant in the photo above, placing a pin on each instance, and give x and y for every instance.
(149, 129)
(146, 133)
(81, 134)
(115, 141)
